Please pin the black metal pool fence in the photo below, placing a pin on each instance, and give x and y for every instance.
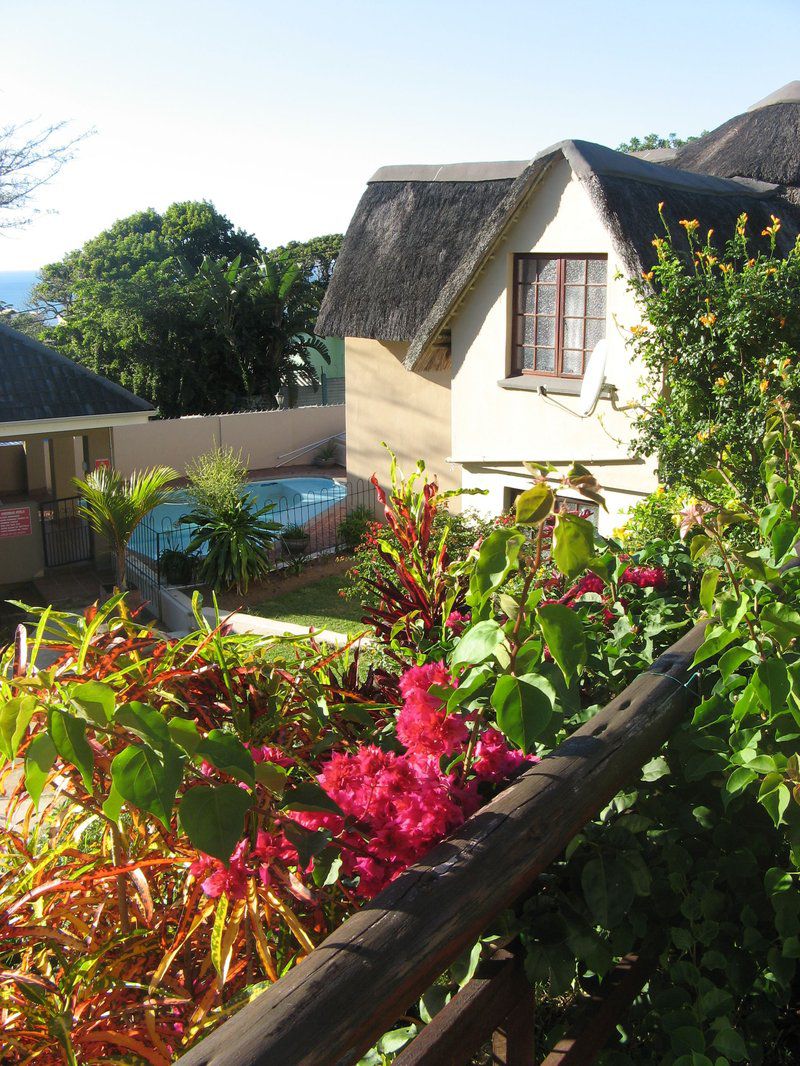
(309, 527)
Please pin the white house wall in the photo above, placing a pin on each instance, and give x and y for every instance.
(495, 428)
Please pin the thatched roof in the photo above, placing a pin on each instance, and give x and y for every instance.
(37, 383)
(763, 143)
(410, 231)
(420, 235)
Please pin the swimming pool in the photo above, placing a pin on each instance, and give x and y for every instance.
(296, 501)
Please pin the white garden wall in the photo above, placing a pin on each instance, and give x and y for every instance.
(262, 436)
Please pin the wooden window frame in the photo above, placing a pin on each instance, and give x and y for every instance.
(518, 315)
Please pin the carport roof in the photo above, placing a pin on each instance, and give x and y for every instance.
(38, 385)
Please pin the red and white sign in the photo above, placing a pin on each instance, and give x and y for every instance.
(102, 464)
(15, 522)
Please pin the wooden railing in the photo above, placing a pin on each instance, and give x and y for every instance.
(354, 986)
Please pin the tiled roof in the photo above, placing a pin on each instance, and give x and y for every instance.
(38, 383)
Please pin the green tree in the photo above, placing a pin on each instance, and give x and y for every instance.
(127, 308)
(187, 311)
(316, 257)
(114, 507)
(654, 140)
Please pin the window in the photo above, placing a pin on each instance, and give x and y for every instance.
(559, 312)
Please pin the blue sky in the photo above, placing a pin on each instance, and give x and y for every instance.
(279, 112)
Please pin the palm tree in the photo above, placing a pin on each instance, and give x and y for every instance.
(114, 506)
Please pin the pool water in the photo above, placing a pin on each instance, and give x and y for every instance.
(296, 500)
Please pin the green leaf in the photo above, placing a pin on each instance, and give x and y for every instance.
(39, 759)
(774, 796)
(784, 537)
(272, 776)
(564, 636)
(69, 736)
(213, 817)
(397, 1039)
(523, 706)
(145, 722)
(708, 588)
(15, 716)
(498, 555)
(227, 753)
(308, 843)
(573, 544)
(308, 796)
(781, 620)
(698, 545)
(741, 777)
(717, 638)
(184, 733)
(469, 684)
(534, 505)
(94, 701)
(731, 660)
(112, 808)
(148, 779)
(607, 889)
(731, 1045)
(771, 684)
(477, 643)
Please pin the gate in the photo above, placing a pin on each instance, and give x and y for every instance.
(65, 534)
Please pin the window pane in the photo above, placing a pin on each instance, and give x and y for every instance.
(526, 358)
(545, 360)
(576, 270)
(597, 271)
(596, 301)
(546, 334)
(595, 331)
(527, 298)
(547, 299)
(546, 269)
(529, 330)
(572, 362)
(574, 296)
(527, 270)
(573, 332)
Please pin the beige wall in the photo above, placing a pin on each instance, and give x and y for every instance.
(22, 558)
(262, 436)
(495, 429)
(13, 478)
(386, 402)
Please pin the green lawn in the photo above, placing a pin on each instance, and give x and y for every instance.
(318, 605)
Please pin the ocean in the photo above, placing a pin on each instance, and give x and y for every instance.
(16, 286)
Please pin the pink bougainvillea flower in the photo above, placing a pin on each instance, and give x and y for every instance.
(495, 760)
(423, 724)
(267, 753)
(456, 621)
(646, 577)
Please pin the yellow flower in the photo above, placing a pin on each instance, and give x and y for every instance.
(726, 268)
(660, 490)
(786, 362)
(703, 435)
(648, 275)
(657, 242)
(638, 331)
(709, 235)
(709, 319)
(660, 206)
(690, 225)
(741, 223)
(621, 533)
(720, 383)
(751, 262)
(763, 384)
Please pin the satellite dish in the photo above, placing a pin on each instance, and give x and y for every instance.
(593, 379)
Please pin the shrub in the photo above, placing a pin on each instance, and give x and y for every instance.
(353, 529)
(234, 542)
(177, 567)
(216, 479)
(653, 518)
(720, 341)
